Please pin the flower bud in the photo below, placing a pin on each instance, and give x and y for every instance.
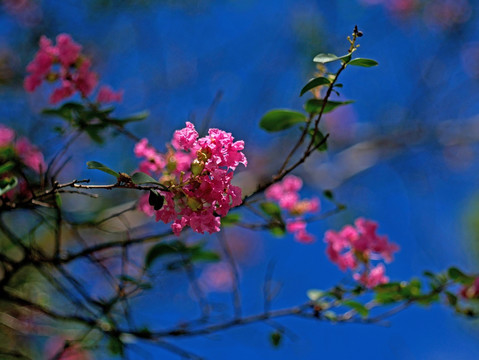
(197, 167)
(193, 203)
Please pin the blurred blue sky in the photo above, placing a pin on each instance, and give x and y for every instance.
(172, 58)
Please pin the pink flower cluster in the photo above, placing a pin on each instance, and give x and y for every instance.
(354, 247)
(23, 150)
(198, 173)
(285, 193)
(471, 291)
(65, 63)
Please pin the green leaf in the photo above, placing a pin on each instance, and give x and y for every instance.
(156, 199)
(9, 165)
(203, 255)
(363, 62)
(140, 178)
(65, 111)
(276, 337)
(270, 208)
(330, 315)
(99, 166)
(328, 194)
(451, 298)
(115, 346)
(7, 184)
(314, 294)
(278, 230)
(314, 106)
(314, 83)
(319, 139)
(135, 117)
(458, 276)
(360, 308)
(326, 58)
(230, 219)
(278, 120)
(162, 249)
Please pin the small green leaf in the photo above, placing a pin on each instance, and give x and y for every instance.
(278, 230)
(135, 117)
(458, 276)
(206, 256)
(363, 62)
(230, 219)
(271, 209)
(278, 120)
(451, 298)
(156, 199)
(360, 308)
(99, 166)
(326, 58)
(314, 83)
(276, 337)
(7, 184)
(140, 178)
(328, 194)
(314, 106)
(115, 346)
(319, 140)
(65, 111)
(9, 165)
(330, 315)
(162, 249)
(314, 294)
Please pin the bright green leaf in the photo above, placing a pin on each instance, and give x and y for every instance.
(314, 294)
(458, 276)
(326, 58)
(363, 62)
(162, 249)
(230, 219)
(9, 165)
(99, 166)
(7, 184)
(207, 256)
(278, 120)
(140, 178)
(271, 209)
(314, 106)
(319, 142)
(360, 308)
(276, 337)
(314, 83)
(135, 117)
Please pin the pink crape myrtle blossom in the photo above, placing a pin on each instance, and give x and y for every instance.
(471, 291)
(285, 193)
(30, 155)
(198, 173)
(217, 278)
(26, 152)
(6, 136)
(355, 247)
(21, 153)
(65, 64)
(107, 95)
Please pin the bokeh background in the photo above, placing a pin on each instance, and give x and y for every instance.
(404, 154)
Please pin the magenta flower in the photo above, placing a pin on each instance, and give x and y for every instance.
(30, 155)
(107, 95)
(356, 247)
(6, 136)
(198, 172)
(285, 193)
